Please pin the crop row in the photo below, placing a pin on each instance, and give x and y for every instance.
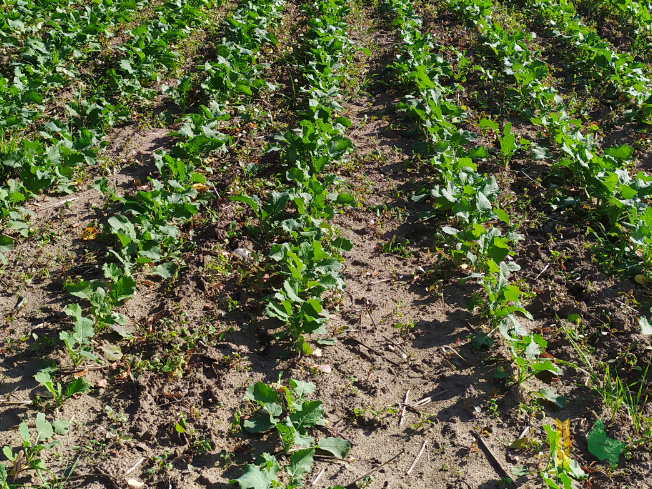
(49, 160)
(147, 229)
(594, 59)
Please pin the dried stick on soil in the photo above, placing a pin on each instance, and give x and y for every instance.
(90, 367)
(352, 484)
(4, 402)
(407, 395)
(135, 466)
(416, 460)
(544, 269)
(57, 204)
(321, 472)
(454, 352)
(492, 458)
(373, 350)
(428, 399)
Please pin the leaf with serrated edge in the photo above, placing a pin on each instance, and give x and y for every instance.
(310, 414)
(601, 446)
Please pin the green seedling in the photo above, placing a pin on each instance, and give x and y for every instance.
(286, 409)
(28, 457)
(58, 392)
(78, 341)
(508, 143)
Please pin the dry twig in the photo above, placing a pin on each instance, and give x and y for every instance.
(352, 484)
(400, 421)
(490, 455)
(416, 460)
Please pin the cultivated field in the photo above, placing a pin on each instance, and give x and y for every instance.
(332, 244)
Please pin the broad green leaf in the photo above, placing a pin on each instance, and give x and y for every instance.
(43, 377)
(253, 202)
(77, 386)
(9, 454)
(83, 289)
(126, 66)
(301, 388)
(310, 414)
(483, 203)
(6, 243)
(291, 289)
(621, 153)
(243, 89)
(123, 289)
(258, 424)
(279, 310)
(312, 307)
(335, 446)
(484, 123)
(342, 243)
(286, 431)
(83, 329)
(112, 271)
(532, 351)
(256, 478)
(482, 341)
(43, 427)
(601, 446)
(557, 399)
(266, 397)
(300, 464)
(61, 426)
(165, 270)
(23, 431)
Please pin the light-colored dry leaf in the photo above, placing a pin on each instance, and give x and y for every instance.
(135, 484)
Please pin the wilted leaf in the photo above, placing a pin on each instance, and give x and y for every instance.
(112, 353)
(200, 187)
(89, 233)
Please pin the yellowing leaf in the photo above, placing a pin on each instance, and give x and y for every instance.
(89, 233)
(640, 278)
(564, 443)
(200, 187)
